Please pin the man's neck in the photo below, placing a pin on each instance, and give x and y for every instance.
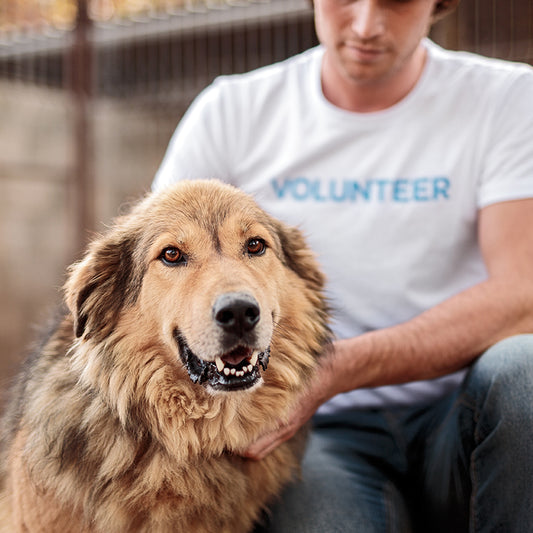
(374, 95)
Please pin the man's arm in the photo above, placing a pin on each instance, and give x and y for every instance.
(443, 339)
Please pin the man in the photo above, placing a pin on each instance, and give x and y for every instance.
(410, 168)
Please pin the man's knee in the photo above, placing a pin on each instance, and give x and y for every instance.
(502, 377)
(510, 360)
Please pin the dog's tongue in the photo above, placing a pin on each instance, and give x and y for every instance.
(237, 356)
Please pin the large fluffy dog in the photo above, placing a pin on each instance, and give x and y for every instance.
(191, 326)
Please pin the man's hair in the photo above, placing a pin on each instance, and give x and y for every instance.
(442, 8)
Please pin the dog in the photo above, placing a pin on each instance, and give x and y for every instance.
(189, 329)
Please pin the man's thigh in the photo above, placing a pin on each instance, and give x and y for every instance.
(363, 469)
(475, 446)
(350, 481)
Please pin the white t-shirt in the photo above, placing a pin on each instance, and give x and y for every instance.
(388, 200)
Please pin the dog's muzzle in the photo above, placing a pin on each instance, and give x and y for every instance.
(237, 366)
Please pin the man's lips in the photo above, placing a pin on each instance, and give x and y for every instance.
(364, 53)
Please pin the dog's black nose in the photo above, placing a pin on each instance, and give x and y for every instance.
(236, 312)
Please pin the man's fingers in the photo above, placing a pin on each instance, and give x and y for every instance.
(267, 443)
(302, 412)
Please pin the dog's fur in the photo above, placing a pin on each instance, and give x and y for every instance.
(121, 421)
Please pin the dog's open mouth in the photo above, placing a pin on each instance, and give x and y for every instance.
(235, 370)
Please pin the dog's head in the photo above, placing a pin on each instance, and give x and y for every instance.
(200, 274)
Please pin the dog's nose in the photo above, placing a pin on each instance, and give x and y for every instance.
(236, 312)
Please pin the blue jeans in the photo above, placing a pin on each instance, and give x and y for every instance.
(464, 463)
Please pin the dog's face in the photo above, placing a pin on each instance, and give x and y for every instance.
(205, 272)
(215, 271)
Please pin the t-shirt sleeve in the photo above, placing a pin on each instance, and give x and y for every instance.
(197, 149)
(508, 165)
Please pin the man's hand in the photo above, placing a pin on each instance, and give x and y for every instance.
(304, 409)
(270, 441)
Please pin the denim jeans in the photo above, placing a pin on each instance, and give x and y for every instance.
(464, 463)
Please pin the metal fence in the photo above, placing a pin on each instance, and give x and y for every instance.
(154, 53)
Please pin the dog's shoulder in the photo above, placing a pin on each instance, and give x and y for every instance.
(51, 345)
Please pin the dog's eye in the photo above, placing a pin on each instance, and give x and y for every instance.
(256, 246)
(172, 256)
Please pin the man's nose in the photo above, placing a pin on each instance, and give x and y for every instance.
(368, 19)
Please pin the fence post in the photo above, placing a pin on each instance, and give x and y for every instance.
(81, 73)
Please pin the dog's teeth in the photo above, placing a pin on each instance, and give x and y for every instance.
(250, 368)
(253, 359)
(233, 371)
(239, 373)
(226, 371)
(219, 363)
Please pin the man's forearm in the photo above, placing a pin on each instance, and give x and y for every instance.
(441, 340)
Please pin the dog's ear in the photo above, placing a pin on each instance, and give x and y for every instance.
(102, 284)
(299, 257)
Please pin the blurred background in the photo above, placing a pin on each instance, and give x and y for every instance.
(91, 91)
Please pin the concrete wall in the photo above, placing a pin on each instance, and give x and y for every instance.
(36, 222)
